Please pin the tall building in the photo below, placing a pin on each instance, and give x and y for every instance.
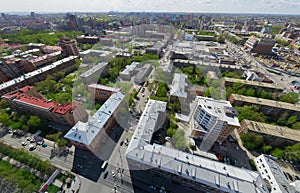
(69, 47)
(28, 100)
(213, 121)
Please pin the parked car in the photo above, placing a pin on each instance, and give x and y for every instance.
(32, 147)
(105, 174)
(44, 145)
(113, 173)
(23, 143)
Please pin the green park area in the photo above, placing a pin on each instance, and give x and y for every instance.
(23, 179)
(45, 37)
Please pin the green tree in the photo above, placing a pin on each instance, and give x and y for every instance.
(291, 120)
(282, 120)
(34, 122)
(180, 140)
(296, 125)
(16, 125)
(251, 140)
(250, 92)
(290, 97)
(3, 104)
(251, 113)
(5, 119)
(277, 152)
(266, 148)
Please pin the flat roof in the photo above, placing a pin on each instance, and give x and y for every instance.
(93, 70)
(36, 72)
(217, 108)
(85, 132)
(266, 102)
(277, 177)
(178, 86)
(104, 87)
(274, 130)
(212, 173)
(211, 64)
(254, 83)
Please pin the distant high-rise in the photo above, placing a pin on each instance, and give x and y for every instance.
(32, 14)
(69, 47)
(74, 23)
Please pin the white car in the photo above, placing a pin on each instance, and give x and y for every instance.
(28, 138)
(113, 173)
(32, 147)
(32, 141)
(23, 143)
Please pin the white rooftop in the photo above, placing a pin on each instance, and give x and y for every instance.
(212, 173)
(178, 86)
(104, 87)
(94, 70)
(85, 132)
(217, 108)
(269, 167)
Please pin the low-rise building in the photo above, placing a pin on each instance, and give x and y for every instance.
(274, 135)
(94, 133)
(183, 169)
(28, 100)
(213, 121)
(271, 172)
(273, 109)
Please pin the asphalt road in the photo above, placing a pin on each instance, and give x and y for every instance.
(50, 152)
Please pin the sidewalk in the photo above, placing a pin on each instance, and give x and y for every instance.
(73, 187)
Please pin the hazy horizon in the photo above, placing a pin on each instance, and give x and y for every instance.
(286, 7)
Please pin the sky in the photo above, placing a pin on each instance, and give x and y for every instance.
(197, 6)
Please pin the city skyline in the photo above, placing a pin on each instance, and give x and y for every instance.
(206, 6)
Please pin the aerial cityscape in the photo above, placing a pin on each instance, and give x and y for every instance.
(153, 96)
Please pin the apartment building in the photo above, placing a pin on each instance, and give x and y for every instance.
(194, 173)
(274, 135)
(271, 172)
(102, 92)
(28, 100)
(64, 65)
(213, 121)
(274, 109)
(92, 134)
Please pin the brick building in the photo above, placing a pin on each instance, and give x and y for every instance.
(69, 47)
(101, 92)
(28, 100)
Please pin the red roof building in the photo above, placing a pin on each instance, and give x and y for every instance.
(28, 100)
